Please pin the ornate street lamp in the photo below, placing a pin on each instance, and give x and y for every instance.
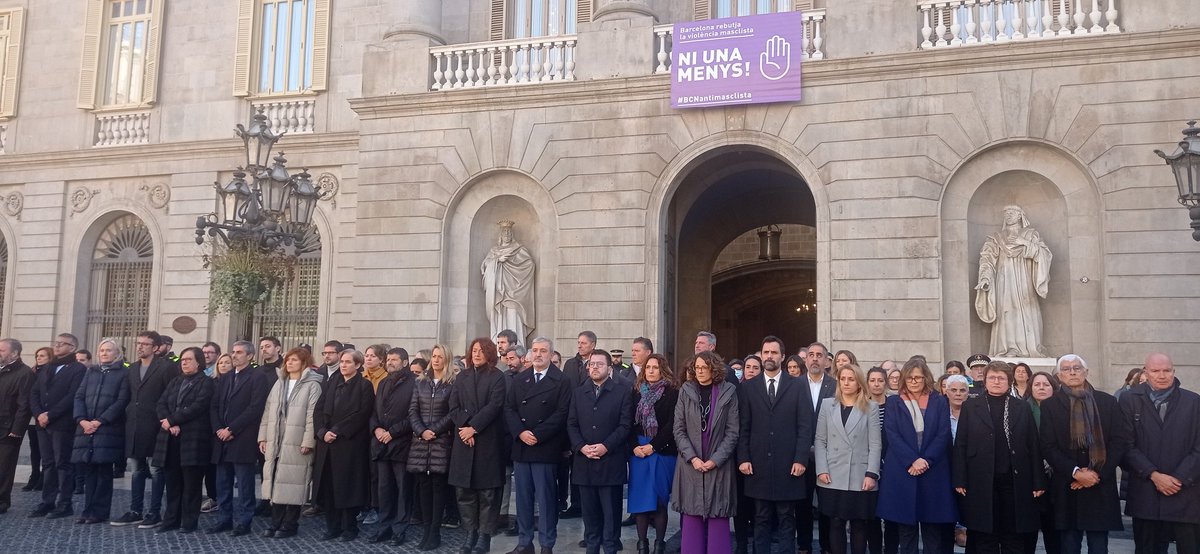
(1185, 163)
(273, 208)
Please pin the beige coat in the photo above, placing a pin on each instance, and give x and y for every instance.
(286, 429)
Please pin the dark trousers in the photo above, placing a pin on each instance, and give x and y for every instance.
(891, 538)
(565, 488)
(1153, 537)
(35, 455)
(395, 496)
(431, 490)
(58, 473)
(979, 542)
(142, 470)
(285, 517)
(478, 509)
(341, 521)
(935, 538)
(536, 484)
(805, 515)
(10, 450)
(241, 476)
(743, 520)
(774, 519)
(97, 490)
(184, 485)
(1072, 541)
(601, 507)
(210, 481)
(858, 535)
(875, 536)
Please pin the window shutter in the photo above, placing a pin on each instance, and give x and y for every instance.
(89, 64)
(702, 10)
(498, 20)
(243, 44)
(12, 65)
(153, 48)
(320, 45)
(583, 12)
(802, 5)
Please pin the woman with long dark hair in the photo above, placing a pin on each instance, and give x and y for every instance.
(183, 447)
(1020, 382)
(429, 456)
(342, 461)
(652, 466)
(476, 456)
(287, 438)
(41, 359)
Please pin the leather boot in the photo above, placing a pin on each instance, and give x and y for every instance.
(469, 547)
(643, 546)
(485, 544)
(660, 547)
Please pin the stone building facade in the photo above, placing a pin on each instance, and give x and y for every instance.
(430, 121)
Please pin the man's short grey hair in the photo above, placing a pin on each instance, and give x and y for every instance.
(74, 339)
(1069, 358)
(520, 350)
(711, 338)
(245, 344)
(962, 379)
(13, 344)
(543, 340)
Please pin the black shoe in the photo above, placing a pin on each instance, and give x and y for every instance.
(643, 546)
(187, 530)
(430, 542)
(285, 533)
(450, 523)
(582, 543)
(397, 540)
(631, 520)
(381, 536)
(34, 484)
(240, 530)
(151, 521)
(547, 550)
(485, 544)
(166, 528)
(660, 547)
(350, 536)
(312, 511)
(59, 514)
(330, 535)
(570, 513)
(130, 518)
(469, 546)
(522, 550)
(219, 528)
(41, 510)
(512, 531)
(269, 533)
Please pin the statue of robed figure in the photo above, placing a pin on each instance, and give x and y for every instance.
(1014, 271)
(508, 284)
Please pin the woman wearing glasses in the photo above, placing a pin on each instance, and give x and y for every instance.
(706, 435)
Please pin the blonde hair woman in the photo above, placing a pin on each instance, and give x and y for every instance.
(847, 449)
(429, 457)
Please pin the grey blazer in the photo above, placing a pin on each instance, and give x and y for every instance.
(847, 452)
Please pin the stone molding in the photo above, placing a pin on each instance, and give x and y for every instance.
(330, 185)
(81, 199)
(14, 202)
(158, 196)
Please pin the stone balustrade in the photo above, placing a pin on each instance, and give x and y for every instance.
(504, 62)
(122, 129)
(3, 137)
(946, 23)
(813, 44)
(294, 115)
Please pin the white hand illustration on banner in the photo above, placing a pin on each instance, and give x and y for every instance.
(775, 62)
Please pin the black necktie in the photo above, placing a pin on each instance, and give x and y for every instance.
(537, 377)
(597, 390)
(771, 389)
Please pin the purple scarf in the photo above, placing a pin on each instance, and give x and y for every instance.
(644, 414)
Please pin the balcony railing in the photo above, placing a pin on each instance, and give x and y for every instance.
(122, 129)
(505, 62)
(813, 45)
(946, 23)
(294, 115)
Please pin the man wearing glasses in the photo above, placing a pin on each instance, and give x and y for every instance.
(329, 358)
(53, 402)
(211, 351)
(598, 424)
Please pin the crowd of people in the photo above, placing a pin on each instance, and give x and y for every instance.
(751, 452)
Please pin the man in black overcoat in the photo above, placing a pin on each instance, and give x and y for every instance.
(536, 412)
(16, 381)
(392, 434)
(238, 403)
(53, 404)
(148, 380)
(818, 388)
(576, 372)
(598, 425)
(773, 449)
(1164, 462)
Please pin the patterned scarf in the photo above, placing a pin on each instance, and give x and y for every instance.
(1086, 431)
(644, 415)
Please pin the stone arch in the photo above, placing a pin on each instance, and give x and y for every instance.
(1065, 206)
(659, 233)
(469, 231)
(8, 275)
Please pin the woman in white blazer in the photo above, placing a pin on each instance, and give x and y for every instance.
(847, 449)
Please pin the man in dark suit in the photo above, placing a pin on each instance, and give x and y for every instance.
(774, 447)
(818, 387)
(393, 433)
(238, 404)
(536, 413)
(16, 381)
(148, 379)
(598, 425)
(576, 372)
(53, 403)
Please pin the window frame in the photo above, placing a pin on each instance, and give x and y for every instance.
(247, 64)
(10, 61)
(94, 68)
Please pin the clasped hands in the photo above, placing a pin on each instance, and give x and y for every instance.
(748, 469)
(1085, 478)
(89, 427)
(166, 426)
(594, 451)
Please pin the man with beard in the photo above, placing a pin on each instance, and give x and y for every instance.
(598, 425)
(393, 436)
(575, 372)
(270, 348)
(53, 403)
(819, 386)
(16, 380)
(329, 358)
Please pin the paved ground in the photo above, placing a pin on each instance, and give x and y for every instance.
(22, 535)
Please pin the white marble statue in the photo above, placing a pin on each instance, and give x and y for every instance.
(508, 285)
(1014, 270)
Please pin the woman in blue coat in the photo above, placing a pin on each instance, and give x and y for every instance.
(915, 490)
(100, 404)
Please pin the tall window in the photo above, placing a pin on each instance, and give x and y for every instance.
(291, 311)
(11, 25)
(282, 46)
(120, 53)
(539, 18)
(119, 295)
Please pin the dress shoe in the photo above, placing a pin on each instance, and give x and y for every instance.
(285, 533)
(350, 536)
(240, 530)
(166, 528)
(41, 510)
(631, 520)
(582, 543)
(469, 547)
(81, 521)
(485, 544)
(312, 511)
(547, 550)
(397, 540)
(59, 514)
(522, 550)
(219, 528)
(381, 536)
(330, 535)
(269, 533)
(512, 530)
(187, 530)
(95, 520)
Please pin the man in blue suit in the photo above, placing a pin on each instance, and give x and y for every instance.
(238, 404)
(53, 403)
(600, 418)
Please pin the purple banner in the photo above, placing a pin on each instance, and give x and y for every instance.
(739, 60)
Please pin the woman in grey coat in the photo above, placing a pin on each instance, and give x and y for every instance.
(706, 434)
(286, 438)
(847, 450)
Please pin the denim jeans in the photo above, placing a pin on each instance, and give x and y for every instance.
(137, 487)
(241, 510)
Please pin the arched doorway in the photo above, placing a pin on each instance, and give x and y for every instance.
(719, 201)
